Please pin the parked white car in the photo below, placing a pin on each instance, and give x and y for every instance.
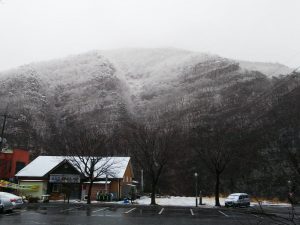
(17, 201)
(237, 200)
(5, 205)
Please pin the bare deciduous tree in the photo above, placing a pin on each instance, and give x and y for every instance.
(87, 151)
(214, 145)
(152, 147)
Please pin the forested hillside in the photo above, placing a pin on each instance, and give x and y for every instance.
(238, 121)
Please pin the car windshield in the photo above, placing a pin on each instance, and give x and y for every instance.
(233, 197)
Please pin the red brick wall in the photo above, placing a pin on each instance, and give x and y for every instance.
(19, 155)
(95, 189)
(9, 160)
(5, 165)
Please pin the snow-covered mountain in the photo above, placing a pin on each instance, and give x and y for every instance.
(269, 69)
(101, 87)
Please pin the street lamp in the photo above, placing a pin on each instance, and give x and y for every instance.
(196, 194)
(106, 190)
(142, 181)
(290, 194)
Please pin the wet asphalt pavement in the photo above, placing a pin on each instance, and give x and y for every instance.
(80, 214)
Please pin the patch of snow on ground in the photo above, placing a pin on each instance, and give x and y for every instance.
(179, 201)
(268, 203)
(207, 202)
(191, 201)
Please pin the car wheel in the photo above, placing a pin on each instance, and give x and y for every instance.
(1, 210)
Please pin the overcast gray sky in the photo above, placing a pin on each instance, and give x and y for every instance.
(256, 30)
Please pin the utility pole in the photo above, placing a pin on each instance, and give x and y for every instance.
(2, 131)
(106, 190)
(5, 117)
(196, 191)
(142, 181)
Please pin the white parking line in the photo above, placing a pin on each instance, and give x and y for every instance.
(16, 212)
(223, 213)
(100, 209)
(64, 210)
(192, 212)
(161, 211)
(130, 210)
(10, 214)
(22, 211)
(30, 213)
(257, 216)
(51, 206)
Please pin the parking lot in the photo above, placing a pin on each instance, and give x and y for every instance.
(81, 214)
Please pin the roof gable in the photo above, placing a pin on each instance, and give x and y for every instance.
(61, 168)
(45, 164)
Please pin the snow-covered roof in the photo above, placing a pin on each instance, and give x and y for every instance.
(98, 182)
(40, 166)
(239, 194)
(44, 164)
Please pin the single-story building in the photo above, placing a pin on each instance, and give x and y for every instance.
(54, 175)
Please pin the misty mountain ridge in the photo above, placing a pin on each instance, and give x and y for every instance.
(102, 87)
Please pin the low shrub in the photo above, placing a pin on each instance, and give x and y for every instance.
(33, 199)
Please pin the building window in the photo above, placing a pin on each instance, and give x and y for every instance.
(56, 188)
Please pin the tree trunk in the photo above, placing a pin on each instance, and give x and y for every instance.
(153, 192)
(217, 189)
(69, 197)
(89, 192)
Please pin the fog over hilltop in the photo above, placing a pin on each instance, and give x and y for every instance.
(99, 87)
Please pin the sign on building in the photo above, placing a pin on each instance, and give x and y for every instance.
(6, 184)
(64, 178)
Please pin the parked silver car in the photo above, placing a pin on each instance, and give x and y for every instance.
(17, 201)
(5, 205)
(237, 200)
